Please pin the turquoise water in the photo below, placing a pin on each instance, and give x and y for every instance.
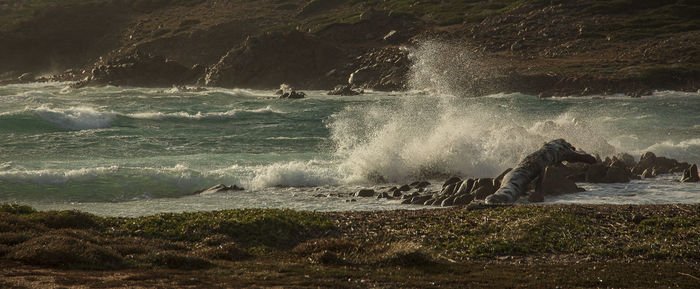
(135, 151)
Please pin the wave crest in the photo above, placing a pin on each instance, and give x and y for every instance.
(76, 118)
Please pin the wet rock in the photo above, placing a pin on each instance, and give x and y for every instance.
(662, 165)
(220, 188)
(419, 200)
(384, 195)
(293, 95)
(420, 184)
(462, 200)
(409, 196)
(26, 77)
(503, 174)
(595, 173)
(344, 90)
(465, 187)
(449, 201)
(691, 175)
(449, 189)
(483, 188)
(553, 182)
(616, 175)
(451, 180)
(627, 159)
(365, 193)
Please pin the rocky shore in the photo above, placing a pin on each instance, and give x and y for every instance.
(559, 48)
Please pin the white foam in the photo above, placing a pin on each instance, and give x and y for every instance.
(199, 115)
(684, 150)
(55, 176)
(76, 118)
(295, 174)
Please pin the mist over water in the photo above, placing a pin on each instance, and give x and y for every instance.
(135, 151)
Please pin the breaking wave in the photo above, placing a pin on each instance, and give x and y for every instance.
(199, 115)
(76, 118)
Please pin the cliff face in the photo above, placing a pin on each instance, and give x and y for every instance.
(551, 47)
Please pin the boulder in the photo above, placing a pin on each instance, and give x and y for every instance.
(595, 173)
(690, 175)
(462, 200)
(219, 189)
(553, 181)
(449, 189)
(662, 165)
(384, 195)
(293, 95)
(344, 90)
(451, 180)
(448, 201)
(616, 175)
(365, 193)
(465, 187)
(419, 200)
(483, 188)
(627, 159)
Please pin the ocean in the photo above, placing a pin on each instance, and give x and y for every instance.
(138, 151)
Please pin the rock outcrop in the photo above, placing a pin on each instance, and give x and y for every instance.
(296, 58)
(139, 69)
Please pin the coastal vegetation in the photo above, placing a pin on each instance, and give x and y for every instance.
(266, 246)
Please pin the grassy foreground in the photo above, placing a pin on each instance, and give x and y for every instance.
(516, 246)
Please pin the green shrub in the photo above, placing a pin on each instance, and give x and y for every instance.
(252, 227)
(16, 209)
(67, 219)
(61, 251)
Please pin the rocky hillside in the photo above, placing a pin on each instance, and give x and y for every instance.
(557, 47)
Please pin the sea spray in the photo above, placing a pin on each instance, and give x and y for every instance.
(435, 133)
(449, 68)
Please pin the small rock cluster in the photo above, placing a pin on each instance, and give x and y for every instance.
(344, 90)
(287, 91)
(554, 180)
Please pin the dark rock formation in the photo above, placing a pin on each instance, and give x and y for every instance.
(381, 69)
(660, 165)
(219, 189)
(515, 182)
(690, 175)
(344, 90)
(143, 70)
(296, 58)
(365, 193)
(553, 181)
